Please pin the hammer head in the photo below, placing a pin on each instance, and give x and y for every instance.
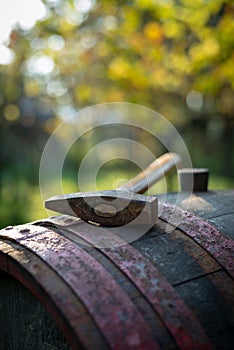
(107, 208)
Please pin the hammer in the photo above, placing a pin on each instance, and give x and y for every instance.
(118, 207)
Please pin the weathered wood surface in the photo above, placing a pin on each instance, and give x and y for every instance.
(24, 322)
(217, 207)
(208, 205)
(164, 290)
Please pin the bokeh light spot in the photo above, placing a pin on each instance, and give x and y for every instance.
(194, 100)
(55, 42)
(41, 64)
(11, 113)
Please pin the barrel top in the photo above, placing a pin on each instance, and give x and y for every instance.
(216, 207)
(207, 205)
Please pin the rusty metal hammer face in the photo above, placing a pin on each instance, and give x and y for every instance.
(118, 207)
(108, 208)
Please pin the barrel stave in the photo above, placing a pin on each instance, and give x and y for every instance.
(206, 298)
(177, 256)
(22, 310)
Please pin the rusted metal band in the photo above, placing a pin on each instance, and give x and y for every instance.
(178, 318)
(204, 233)
(115, 314)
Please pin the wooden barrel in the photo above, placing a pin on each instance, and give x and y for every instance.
(173, 288)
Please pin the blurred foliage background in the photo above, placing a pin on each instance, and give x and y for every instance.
(175, 57)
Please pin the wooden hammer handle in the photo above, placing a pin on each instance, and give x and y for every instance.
(153, 173)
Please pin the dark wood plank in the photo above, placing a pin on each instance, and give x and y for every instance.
(24, 322)
(177, 257)
(204, 298)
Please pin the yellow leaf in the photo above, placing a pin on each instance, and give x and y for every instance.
(173, 29)
(153, 31)
(118, 68)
